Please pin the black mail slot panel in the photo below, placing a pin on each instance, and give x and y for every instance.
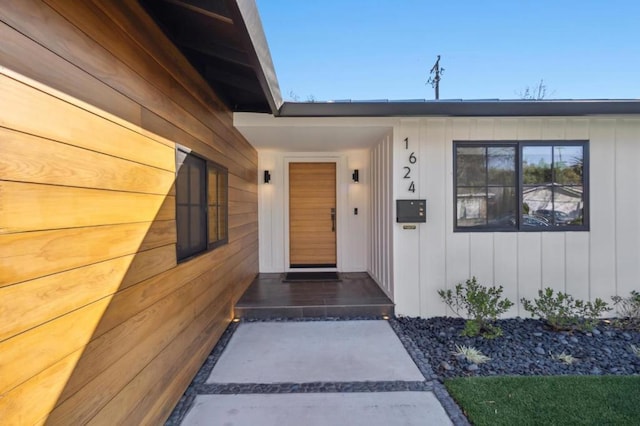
(411, 211)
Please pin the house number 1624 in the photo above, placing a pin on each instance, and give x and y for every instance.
(412, 159)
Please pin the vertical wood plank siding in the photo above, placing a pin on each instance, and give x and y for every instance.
(98, 323)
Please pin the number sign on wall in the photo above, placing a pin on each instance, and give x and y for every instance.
(410, 159)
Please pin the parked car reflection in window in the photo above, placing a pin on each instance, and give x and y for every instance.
(529, 220)
(555, 217)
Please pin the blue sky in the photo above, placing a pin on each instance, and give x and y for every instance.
(384, 49)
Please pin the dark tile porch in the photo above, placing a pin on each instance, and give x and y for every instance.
(356, 295)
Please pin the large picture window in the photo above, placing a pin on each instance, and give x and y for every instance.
(201, 204)
(521, 186)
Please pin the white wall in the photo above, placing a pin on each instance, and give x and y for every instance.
(599, 263)
(381, 223)
(411, 265)
(352, 230)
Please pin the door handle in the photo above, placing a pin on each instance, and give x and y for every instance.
(333, 220)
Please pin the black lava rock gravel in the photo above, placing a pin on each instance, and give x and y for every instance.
(527, 348)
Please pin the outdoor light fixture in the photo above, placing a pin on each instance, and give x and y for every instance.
(267, 176)
(356, 176)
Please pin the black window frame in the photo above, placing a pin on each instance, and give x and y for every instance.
(519, 185)
(184, 253)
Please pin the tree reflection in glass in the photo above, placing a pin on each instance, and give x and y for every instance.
(485, 186)
(553, 183)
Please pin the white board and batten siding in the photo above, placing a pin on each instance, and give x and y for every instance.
(380, 262)
(601, 262)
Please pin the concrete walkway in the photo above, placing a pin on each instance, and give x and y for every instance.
(313, 373)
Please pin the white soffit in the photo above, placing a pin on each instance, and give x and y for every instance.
(314, 134)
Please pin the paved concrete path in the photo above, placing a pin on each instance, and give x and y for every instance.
(327, 351)
(311, 373)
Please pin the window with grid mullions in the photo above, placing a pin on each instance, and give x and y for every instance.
(201, 204)
(521, 186)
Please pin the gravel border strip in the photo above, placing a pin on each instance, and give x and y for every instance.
(453, 410)
(311, 387)
(199, 386)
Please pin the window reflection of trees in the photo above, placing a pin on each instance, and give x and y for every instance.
(486, 178)
(552, 184)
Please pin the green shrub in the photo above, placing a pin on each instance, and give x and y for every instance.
(481, 307)
(563, 312)
(628, 309)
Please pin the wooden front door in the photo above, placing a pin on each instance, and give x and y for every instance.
(312, 215)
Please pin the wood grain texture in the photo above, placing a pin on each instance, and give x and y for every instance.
(117, 353)
(239, 207)
(112, 60)
(242, 278)
(31, 303)
(93, 21)
(119, 356)
(104, 326)
(242, 231)
(31, 207)
(47, 344)
(131, 17)
(312, 196)
(242, 184)
(30, 255)
(17, 407)
(191, 91)
(157, 124)
(17, 52)
(20, 103)
(73, 45)
(27, 158)
(242, 196)
(240, 219)
(160, 407)
(160, 376)
(129, 302)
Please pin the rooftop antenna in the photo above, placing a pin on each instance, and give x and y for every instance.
(434, 80)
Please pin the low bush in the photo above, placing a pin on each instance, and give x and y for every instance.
(628, 310)
(480, 305)
(562, 312)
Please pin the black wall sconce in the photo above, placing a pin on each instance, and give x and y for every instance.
(356, 176)
(267, 176)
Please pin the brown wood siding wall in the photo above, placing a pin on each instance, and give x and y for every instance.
(98, 324)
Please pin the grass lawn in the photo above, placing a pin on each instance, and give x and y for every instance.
(563, 400)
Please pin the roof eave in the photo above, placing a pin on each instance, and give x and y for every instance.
(245, 14)
(460, 108)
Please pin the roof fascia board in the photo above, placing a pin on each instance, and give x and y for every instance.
(245, 16)
(461, 108)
